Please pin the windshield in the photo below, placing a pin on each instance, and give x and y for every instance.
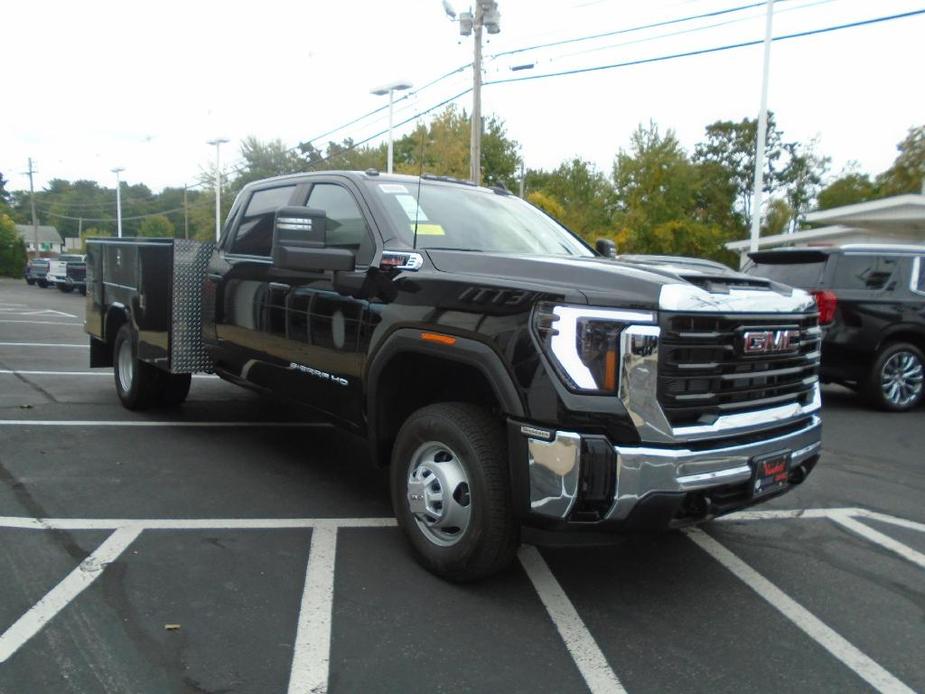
(458, 217)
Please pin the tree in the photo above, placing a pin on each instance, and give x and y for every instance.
(266, 159)
(12, 248)
(907, 174)
(779, 217)
(157, 226)
(802, 179)
(582, 193)
(850, 188)
(91, 233)
(732, 145)
(500, 155)
(4, 194)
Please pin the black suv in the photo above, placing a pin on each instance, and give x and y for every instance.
(871, 303)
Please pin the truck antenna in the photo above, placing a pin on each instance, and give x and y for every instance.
(417, 207)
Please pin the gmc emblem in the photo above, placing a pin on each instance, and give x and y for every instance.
(770, 341)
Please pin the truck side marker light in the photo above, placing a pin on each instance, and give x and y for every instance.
(447, 340)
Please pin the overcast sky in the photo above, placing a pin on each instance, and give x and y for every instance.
(91, 85)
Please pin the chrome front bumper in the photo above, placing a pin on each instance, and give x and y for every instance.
(554, 468)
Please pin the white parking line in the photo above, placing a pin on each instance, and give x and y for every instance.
(41, 344)
(855, 526)
(312, 652)
(191, 523)
(62, 594)
(26, 372)
(42, 322)
(838, 646)
(584, 650)
(884, 518)
(142, 423)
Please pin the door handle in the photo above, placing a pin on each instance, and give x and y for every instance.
(279, 286)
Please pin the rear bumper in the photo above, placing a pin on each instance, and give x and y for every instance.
(584, 480)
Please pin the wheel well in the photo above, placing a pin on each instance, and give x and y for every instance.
(917, 339)
(411, 381)
(101, 350)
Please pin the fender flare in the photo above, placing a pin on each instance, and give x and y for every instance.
(464, 351)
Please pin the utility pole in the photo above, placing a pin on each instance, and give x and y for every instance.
(487, 16)
(185, 212)
(475, 139)
(218, 142)
(758, 192)
(390, 89)
(117, 170)
(35, 219)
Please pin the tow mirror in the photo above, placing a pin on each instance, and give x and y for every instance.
(300, 242)
(606, 248)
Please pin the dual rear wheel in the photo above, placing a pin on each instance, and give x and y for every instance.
(140, 385)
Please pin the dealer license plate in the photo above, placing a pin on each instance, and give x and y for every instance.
(771, 474)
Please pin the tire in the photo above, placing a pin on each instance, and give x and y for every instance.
(30, 282)
(83, 290)
(42, 283)
(895, 383)
(457, 452)
(138, 385)
(65, 288)
(175, 388)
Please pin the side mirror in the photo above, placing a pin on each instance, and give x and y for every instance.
(300, 240)
(606, 248)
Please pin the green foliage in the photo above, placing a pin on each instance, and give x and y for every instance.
(4, 193)
(778, 218)
(907, 174)
(582, 193)
(12, 248)
(443, 143)
(156, 227)
(848, 189)
(91, 233)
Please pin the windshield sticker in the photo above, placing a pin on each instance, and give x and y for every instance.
(429, 230)
(410, 206)
(393, 188)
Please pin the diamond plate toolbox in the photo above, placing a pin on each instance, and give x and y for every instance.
(190, 259)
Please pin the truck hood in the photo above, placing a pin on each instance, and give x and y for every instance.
(606, 282)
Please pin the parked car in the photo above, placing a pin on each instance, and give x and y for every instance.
(36, 271)
(871, 303)
(68, 272)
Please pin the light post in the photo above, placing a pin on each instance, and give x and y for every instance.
(218, 142)
(117, 171)
(486, 16)
(390, 89)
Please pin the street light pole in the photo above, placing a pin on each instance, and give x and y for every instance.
(758, 191)
(218, 142)
(117, 171)
(390, 89)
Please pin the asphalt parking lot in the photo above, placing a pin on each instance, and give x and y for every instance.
(239, 545)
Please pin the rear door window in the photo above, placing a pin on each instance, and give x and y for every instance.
(802, 275)
(918, 284)
(255, 232)
(869, 272)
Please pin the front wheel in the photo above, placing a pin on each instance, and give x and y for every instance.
(67, 289)
(451, 491)
(138, 385)
(895, 379)
(42, 283)
(30, 282)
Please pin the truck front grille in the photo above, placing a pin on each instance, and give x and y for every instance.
(705, 371)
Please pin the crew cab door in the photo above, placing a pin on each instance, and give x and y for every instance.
(290, 331)
(321, 331)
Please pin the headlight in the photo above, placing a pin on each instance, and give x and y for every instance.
(584, 343)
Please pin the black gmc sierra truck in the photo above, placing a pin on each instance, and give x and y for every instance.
(509, 374)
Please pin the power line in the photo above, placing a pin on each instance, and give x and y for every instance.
(112, 219)
(705, 51)
(629, 30)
